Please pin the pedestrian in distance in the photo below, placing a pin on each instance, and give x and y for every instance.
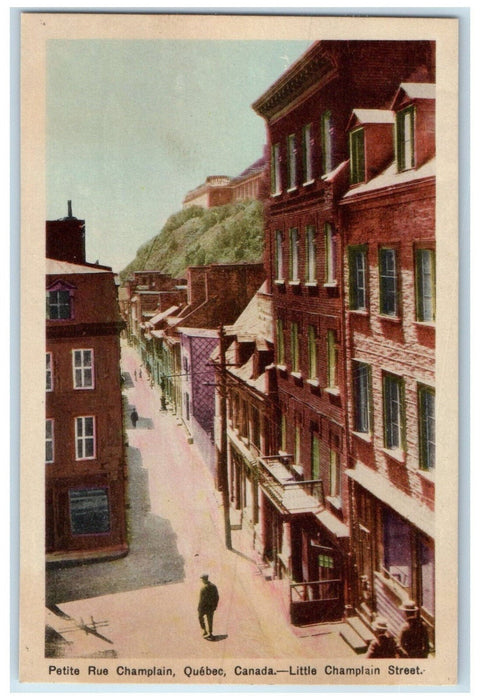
(135, 375)
(134, 418)
(414, 643)
(384, 645)
(139, 373)
(207, 605)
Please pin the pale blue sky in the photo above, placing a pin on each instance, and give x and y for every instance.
(133, 125)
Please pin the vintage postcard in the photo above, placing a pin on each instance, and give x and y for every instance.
(239, 350)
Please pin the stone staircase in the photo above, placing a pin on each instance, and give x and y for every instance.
(356, 634)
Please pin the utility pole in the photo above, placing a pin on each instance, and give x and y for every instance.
(222, 465)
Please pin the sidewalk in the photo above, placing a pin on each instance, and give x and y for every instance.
(176, 537)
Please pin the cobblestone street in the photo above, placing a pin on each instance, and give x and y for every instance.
(145, 604)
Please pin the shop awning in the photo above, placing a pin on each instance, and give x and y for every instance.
(418, 514)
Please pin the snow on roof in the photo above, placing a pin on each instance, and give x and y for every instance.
(421, 91)
(391, 177)
(62, 267)
(374, 116)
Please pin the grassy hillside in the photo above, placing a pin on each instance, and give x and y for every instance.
(197, 236)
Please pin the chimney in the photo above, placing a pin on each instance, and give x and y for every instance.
(69, 209)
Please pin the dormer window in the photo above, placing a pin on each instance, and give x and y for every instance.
(357, 156)
(59, 301)
(405, 139)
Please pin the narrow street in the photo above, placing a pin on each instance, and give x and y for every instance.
(144, 606)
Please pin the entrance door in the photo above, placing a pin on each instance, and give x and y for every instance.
(319, 597)
(365, 570)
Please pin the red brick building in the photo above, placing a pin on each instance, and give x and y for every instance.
(307, 112)
(387, 219)
(85, 470)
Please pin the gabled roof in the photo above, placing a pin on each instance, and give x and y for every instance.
(159, 317)
(61, 267)
(415, 91)
(256, 320)
(371, 116)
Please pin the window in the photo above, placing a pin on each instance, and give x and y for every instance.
(388, 282)
(331, 360)
(397, 548)
(49, 451)
(361, 397)
(291, 162)
(315, 457)
(327, 157)
(393, 412)
(357, 157)
(89, 511)
(82, 369)
(334, 469)
(358, 278)
(330, 256)
(312, 352)
(311, 255)
(294, 346)
(426, 408)
(293, 255)
(307, 153)
(276, 184)
(405, 139)
(85, 437)
(425, 284)
(49, 372)
(278, 255)
(58, 304)
(280, 342)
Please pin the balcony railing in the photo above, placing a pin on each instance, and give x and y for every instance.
(290, 494)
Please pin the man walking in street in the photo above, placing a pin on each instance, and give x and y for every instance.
(413, 640)
(134, 417)
(207, 605)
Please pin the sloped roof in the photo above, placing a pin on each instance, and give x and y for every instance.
(61, 267)
(256, 320)
(391, 177)
(373, 116)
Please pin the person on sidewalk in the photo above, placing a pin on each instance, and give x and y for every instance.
(384, 645)
(413, 639)
(134, 418)
(207, 605)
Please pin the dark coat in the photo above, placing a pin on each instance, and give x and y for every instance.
(208, 598)
(414, 639)
(384, 647)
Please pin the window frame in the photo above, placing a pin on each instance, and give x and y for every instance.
(292, 181)
(330, 255)
(310, 254)
(307, 154)
(50, 440)
(358, 293)
(294, 347)
(82, 369)
(280, 344)
(405, 145)
(332, 360)
(386, 296)
(49, 378)
(426, 445)
(294, 258)
(362, 397)
(59, 305)
(275, 170)
(327, 142)
(420, 314)
(81, 439)
(357, 156)
(393, 424)
(312, 352)
(279, 261)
